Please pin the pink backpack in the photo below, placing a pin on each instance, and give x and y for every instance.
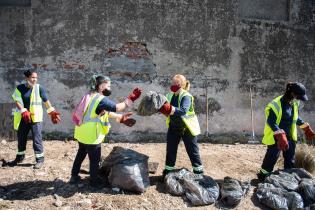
(77, 114)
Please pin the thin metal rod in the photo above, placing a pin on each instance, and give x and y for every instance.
(207, 111)
(252, 112)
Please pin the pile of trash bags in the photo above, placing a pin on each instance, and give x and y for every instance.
(203, 190)
(288, 189)
(151, 103)
(126, 169)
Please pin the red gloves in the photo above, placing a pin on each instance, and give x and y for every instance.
(135, 94)
(282, 140)
(308, 131)
(26, 115)
(55, 116)
(126, 120)
(166, 109)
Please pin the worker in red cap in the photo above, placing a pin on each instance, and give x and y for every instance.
(280, 133)
(28, 116)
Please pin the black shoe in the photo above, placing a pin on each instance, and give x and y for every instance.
(198, 172)
(18, 159)
(74, 179)
(165, 172)
(38, 165)
(97, 183)
(261, 177)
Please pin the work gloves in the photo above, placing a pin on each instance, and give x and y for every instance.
(54, 115)
(281, 140)
(308, 131)
(126, 120)
(133, 96)
(167, 109)
(26, 115)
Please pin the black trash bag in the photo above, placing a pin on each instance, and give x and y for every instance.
(126, 169)
(232, 191)
(301, 172)
(284, 180)
(307, 191)
(173, 182)
(199, 189)
(151, 103)
(278, 198)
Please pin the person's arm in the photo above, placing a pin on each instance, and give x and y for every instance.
(184, 106)
(116, 116)
(123, 118)
(299, 121)
(105, 105)
(54, 114)
(271, 120)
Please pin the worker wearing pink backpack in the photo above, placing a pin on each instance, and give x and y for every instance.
(91, 119)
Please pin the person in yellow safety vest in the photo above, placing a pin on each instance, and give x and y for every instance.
(95, 126)
(182, 123)
(280, 133)
(28, 115)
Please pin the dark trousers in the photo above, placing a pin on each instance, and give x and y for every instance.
(273, 154)
(94, 153)
(22, 133)
(190, 141)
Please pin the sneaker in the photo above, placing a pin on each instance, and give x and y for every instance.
(74, 179)
(38, 165)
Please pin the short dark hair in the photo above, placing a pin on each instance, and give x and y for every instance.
(29, 72)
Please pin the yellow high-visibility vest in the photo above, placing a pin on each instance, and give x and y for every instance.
(190, 119)
(94, 128)
(275, 106)
(36, 108)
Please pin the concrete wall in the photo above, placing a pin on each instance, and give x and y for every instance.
(226, 45)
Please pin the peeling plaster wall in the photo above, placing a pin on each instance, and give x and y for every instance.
(218, 44)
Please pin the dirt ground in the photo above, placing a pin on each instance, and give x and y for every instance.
(23, 187)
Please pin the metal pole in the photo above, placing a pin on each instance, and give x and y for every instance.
(252, 112)
(207, 111)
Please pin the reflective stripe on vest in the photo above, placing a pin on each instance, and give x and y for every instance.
(36, 108)
(275, 105)
(190, 119)
(93, 128)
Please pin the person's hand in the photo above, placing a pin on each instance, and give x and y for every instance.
(54, 115)
(281, 140)
(167, 109)
(26, 115)
(308, 131)
(126, 120)
(135, 94)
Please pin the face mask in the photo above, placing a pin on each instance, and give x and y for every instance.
(106, 92)
(175, 88)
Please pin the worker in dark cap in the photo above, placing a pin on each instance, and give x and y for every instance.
(280, 133)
